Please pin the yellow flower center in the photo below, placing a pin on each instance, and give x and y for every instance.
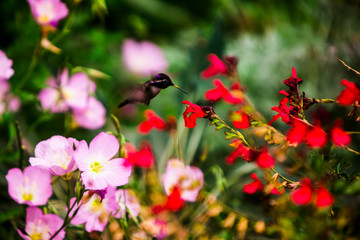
(96, 167)
(43, 18)
(36, 236)
(27, 196)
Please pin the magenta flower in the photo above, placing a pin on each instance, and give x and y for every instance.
(5, 67)
(143, 58)
(94, 212)
(55, 155)
(188, 179)
(48, 12)
(127, 200)
(41, 226)
(31, 187)
(98, 170)
(92, 116)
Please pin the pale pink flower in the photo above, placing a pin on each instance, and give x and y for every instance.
(98, 169)
(5, 67)
(188, 179)
(55, 155)
(155, 227)
(93, 116)
(127, 200)
(143, 58)
(42, 226)
(95, 212)
(48, 12)
(31, 187)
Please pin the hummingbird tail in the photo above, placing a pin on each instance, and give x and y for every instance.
(125, 102)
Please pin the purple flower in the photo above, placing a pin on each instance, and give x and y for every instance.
(41, 226)
(143, 58)
(98, 170)
(31, 187)
(48, 12)
(92, 116)
(95, 212)
(5, 67)
(55, 155)
(126, 200)
(188, 179)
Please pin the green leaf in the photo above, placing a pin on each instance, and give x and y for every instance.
(229, 135)
(220, 177)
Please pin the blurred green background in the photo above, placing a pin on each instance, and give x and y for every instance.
(269, 38)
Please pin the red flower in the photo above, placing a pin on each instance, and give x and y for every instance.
(220, 91)
(240, 120)
(256, 185)
(293, 81)
(315, 137)
(297, 133)
(173, 203)
(142, 158)
(338, 135)
(303, 194)
(283, 110)
(323, 198)
(192, 113)
(216, 67)
(264, 159)
(350, 94)
(152, 121)
(241, 151)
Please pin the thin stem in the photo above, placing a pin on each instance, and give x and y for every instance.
(20, 145)
(352, 150)
(348, 67)
(281, 176)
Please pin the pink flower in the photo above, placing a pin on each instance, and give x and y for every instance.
(31, 187)
(188, 179)
(95, 212)
(48, 12)
(127, 201)
(92, 116)
(5, 67)
(98, 170)
(55, 155)
(42, 226)
(253, 187)
(155, 227)
(143, 58)
(216, 67)
(8, 102)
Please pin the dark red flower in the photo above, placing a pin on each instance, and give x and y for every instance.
(152, 121)
(220, 91)
(303, 194)
(316, 137)
(264, 159)
(143, 158)
(240, 120)
(241, 151)
(216, 67)
(253, 187)
(192, 113)
(323, 198)
(293, 81)
(338, 135)
(350, 94)
(297, 133)
(284, 112)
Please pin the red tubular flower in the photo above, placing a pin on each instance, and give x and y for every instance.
(241, 151)
(323, 198)
(338, 135)
(220, 91)
(192, 113)
(316, 137)
(283, 110)
(143, 158)
(253, 187)
(240, 120)
(293, 80)
(297, 133)
(216, 67)
(350, 94)
(152, 121)
(303, 194)
(173, 203)
(264, 159)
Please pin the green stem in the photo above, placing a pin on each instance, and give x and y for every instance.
(281, 176)
(20, 145)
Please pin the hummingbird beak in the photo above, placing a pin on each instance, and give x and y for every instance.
(179, 88)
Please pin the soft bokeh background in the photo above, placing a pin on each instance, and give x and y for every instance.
(268, 37)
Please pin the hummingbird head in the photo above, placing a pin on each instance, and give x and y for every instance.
(161, 80)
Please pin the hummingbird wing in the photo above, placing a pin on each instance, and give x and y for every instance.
(135, 94)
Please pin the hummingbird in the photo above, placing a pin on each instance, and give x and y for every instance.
(143, 93)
